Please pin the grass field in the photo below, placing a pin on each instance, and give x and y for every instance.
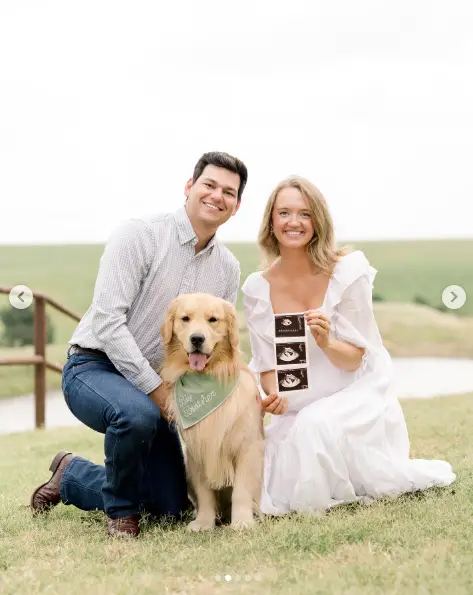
(407, 270)
(417, 544)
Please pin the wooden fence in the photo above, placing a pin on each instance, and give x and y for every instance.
(38, 359)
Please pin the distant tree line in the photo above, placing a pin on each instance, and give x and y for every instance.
(17, 327)
(417, 299)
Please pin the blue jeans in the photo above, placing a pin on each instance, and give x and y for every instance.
(144, 465)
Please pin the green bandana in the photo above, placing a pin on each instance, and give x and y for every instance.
(197, 395)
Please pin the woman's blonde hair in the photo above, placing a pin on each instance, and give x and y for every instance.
(321, 249)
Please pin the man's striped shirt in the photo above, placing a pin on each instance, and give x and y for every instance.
(145, 265)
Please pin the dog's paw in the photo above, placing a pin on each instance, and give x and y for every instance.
(243, 525)
(196, 525)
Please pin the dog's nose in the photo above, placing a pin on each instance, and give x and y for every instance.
(197, 339)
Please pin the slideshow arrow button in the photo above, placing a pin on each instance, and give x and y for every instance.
(454, 297)
(21, 297)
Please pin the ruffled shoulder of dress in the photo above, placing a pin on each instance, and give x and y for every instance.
(257, 305)
(349, 268)
(254, 285)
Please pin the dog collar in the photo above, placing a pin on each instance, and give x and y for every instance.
(197, 395)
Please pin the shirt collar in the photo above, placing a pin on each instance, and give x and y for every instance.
(186, 231)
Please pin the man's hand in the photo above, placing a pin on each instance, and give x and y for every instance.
(160, 396)
(274, 404)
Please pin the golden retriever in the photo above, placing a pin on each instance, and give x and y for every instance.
(225, 449)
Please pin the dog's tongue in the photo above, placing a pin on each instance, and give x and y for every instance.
(197, 361)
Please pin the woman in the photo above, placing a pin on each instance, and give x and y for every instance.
(344, 438)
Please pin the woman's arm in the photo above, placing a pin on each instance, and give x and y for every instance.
(343, 355)
(273, 403)
(262, 350)
(268, 382)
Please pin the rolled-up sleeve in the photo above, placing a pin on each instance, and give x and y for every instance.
(123, 267)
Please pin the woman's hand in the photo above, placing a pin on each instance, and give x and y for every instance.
(319, 327)
(274, 404)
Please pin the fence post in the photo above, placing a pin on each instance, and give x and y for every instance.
(40, 368)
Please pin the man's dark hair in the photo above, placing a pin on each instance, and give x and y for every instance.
(227, 162)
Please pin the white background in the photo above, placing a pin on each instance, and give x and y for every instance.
(106, 106)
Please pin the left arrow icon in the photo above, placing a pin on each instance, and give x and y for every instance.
(21, 297)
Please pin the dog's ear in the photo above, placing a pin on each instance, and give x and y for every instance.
(167, 326)
(230, 314)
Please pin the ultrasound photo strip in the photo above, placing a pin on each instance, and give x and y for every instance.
(289, 326)
(292, 379)
(291, 352)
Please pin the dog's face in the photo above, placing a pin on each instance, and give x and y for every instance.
(201, 325)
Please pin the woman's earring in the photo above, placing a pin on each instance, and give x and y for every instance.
(271, 229)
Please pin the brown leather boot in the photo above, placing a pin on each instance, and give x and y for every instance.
(125, 527)
(48, 494)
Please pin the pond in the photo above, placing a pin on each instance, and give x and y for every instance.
(424, 377)
(414, 378)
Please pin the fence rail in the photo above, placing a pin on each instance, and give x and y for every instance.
(38, 360)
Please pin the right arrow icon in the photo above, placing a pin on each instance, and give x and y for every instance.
(454, 297)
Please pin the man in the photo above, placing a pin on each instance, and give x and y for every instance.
(109, 380)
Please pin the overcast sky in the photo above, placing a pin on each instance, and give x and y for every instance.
(105, 107)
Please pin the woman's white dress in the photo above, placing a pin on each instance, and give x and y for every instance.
(345, 438)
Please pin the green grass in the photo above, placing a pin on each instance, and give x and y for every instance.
(406, 270)
(417, 544)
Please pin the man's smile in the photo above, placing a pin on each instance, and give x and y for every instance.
(211, 206)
